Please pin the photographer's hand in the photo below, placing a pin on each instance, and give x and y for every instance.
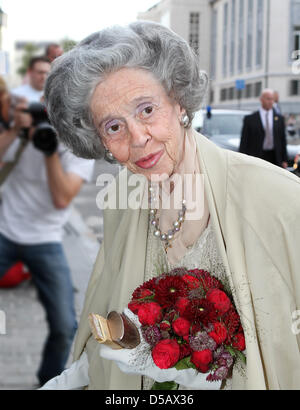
(22, 120)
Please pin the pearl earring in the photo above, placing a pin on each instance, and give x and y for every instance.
(185, 121)
(108, 156)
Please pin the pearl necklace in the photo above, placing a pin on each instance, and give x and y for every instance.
(154, 221)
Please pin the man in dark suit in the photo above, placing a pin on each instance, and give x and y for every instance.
(263, 133)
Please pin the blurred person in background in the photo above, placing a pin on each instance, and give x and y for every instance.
(36, 198)
(53, 51)
(263, 133)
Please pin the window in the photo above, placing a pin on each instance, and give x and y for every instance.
(297, 38)
(249, 34)
(241, 37)
(259, 32)
(194, 31)
(257, 89)
(231, 93)
(295, 87)
(225, 35)
(223, 95)
(248, 90)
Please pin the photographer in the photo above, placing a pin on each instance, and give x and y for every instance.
(35, 205)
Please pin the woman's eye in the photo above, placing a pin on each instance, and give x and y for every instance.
(113, 129)
(147, 111)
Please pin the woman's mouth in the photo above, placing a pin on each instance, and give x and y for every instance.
(150, 160)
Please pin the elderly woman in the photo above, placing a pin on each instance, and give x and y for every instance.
(130, 94)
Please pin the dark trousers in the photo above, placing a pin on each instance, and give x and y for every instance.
(51, 275)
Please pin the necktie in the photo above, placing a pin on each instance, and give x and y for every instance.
(268, 142)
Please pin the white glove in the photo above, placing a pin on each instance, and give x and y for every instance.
(129, 361)
(74, 378)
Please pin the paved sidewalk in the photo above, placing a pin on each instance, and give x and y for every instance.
(26, 329)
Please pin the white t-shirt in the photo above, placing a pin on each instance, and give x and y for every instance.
(30, 93)
(27, 213)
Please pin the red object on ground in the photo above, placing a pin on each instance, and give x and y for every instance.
(14, 276)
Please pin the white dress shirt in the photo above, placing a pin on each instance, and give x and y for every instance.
(263, 113)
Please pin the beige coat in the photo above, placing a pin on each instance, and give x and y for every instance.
(255, 211)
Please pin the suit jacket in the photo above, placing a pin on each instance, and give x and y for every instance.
(253, 135)
(257, 230)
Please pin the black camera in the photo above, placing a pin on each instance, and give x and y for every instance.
(44, 137)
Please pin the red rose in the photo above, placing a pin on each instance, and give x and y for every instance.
(165, 325)
(166, 353)
(134, 307)
(150, 313)
(219, 299)
(202, 359)
(219, 334)
(181, 326)
(181, 304)
(191, 281)
(238, 341)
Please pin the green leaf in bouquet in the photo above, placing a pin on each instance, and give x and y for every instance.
(185, 363)
(240, 355)
(237, 354)
(231, 350)
(165, 386)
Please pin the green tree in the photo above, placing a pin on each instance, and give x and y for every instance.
(30, 50)
(67, 44)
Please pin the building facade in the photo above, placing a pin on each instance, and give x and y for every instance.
(254, 42)
(4, 47)
(244, 45)
(188, 18)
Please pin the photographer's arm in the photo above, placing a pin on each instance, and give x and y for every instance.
(6, 138)
(63, 185)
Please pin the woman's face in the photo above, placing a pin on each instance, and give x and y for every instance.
(138, 123)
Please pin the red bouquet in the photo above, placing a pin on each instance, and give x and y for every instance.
(190, 321)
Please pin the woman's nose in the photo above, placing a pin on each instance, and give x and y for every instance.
(139, 134)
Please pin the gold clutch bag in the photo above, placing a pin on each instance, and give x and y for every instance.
(116, 331)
